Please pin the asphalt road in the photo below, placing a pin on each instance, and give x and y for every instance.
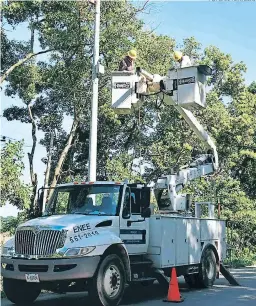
(222, 294)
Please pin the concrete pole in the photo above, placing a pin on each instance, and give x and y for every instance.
(94, 104)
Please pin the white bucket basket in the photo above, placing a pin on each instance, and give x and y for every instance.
(187, 86)
(123, 92)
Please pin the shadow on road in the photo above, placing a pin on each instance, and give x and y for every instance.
(220, 294)
(133, 295)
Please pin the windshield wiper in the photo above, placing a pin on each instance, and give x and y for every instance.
(97, 213)
(79, 213)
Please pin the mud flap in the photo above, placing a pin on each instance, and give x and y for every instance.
(229, 277)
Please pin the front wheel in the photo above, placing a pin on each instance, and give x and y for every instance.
(108, 285)
(20, 292)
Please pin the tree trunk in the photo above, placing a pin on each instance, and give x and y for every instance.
(63, 156)
(20, 62)
(33, 176)
(48, 168)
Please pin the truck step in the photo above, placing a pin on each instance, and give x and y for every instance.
(142, 262)
(143, 279)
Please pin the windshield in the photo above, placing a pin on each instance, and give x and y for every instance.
(85, 199)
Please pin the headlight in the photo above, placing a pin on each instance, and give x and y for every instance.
(79, 251)
(7, 251)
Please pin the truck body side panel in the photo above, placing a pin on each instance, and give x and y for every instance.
(179, 241)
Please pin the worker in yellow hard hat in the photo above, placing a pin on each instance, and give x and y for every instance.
(128, 63)
(184, 60)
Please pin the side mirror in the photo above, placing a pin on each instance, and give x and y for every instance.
(126, 213)
(146, 213)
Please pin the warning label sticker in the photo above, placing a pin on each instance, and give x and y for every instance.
(187, 81)
(122, 85)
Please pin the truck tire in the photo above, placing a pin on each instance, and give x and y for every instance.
(108, 285)
(20, 292)
(208, 269)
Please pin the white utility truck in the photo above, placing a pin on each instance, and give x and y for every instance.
(103, 236)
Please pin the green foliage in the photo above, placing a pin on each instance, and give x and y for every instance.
(13, 190)
(9, 225)
(252, 88)
(242, 259)
(122, 167)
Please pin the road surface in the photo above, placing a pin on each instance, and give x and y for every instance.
(221, 294)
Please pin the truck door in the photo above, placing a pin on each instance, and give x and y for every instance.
(134, 230)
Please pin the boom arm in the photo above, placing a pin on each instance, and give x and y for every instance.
(183, 88)
(187, 115)
(204, 165)
(175, 182)
(200, 132)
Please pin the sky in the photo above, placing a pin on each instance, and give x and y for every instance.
(228, 25)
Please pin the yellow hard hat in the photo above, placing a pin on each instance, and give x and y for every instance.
(177, 55)
(132, 54)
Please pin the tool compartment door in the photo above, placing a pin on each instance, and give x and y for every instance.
(181, 242)
(168, 236)
(193, 234)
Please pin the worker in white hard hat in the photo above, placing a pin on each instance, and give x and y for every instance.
(184, 60)
(128, 63)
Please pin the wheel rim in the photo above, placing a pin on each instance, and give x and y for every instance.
(210, 269)
(112, 281)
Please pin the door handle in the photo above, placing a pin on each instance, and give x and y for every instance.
(129, 223)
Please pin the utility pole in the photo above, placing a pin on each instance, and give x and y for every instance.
(94, 103)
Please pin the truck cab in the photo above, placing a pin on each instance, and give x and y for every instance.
(84, 225)
(100, 237)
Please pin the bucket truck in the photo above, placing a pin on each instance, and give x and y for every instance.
(102, 236)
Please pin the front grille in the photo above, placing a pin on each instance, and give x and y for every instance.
(37, 243)
(33, 268)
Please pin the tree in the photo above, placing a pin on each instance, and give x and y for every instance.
(9, 224)
(252, 88)
(13, 189)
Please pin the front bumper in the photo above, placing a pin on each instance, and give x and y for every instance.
(50, 269)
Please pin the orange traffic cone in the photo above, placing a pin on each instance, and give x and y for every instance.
(173, 291)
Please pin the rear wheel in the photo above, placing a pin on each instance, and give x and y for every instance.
(207, 272)
(208, 269)
(20, 292)
(107, 287)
